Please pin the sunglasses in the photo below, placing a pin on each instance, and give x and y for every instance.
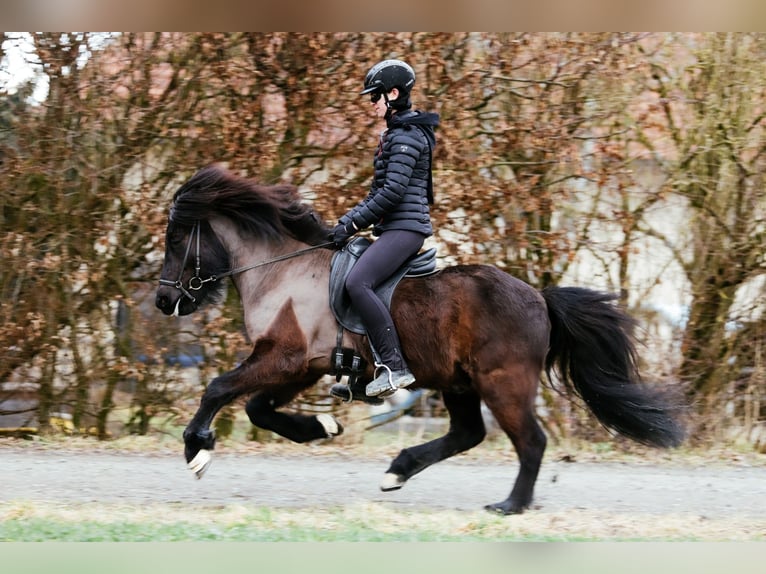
(375, 96)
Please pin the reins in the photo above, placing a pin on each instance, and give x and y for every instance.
(196, 282)
(269, 261)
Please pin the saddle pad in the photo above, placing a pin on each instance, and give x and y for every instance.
(343, 261)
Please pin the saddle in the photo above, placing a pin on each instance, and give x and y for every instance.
(347, 361)
(419, 265)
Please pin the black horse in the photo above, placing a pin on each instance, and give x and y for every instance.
(472, 332)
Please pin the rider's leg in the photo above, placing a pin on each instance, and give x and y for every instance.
(376, 264)
(393, 372)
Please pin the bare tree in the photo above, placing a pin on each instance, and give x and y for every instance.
(709, 91)
(540, 146)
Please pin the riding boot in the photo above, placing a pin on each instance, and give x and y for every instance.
(392, 372)
(387, 382)
(353, 392)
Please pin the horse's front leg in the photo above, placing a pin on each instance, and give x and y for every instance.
(276, 371)
(199, 438)
(263, 413)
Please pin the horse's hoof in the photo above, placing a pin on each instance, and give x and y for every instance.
(503, 510)
(330, 424)
(200, 463)
(391, 481)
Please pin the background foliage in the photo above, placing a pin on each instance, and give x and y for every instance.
(560, 157)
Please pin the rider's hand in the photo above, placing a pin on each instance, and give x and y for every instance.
(340, 235)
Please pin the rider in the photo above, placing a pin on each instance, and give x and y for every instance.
(397, 207)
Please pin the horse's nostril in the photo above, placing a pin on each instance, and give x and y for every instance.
(162, 301)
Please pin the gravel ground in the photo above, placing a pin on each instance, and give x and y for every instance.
(706, 500)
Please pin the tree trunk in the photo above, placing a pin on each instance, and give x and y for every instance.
(704, 346)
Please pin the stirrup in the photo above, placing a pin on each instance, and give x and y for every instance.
(386, 384)
(384, 392)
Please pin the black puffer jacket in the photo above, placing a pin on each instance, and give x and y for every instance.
(401, 188)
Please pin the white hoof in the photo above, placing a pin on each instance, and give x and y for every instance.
(200, 463)
(391, 481)
(331, 426)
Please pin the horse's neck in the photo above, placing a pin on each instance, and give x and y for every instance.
(290, 294)
(243, 251)
(300, 283)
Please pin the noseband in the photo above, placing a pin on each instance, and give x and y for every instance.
(196, 282)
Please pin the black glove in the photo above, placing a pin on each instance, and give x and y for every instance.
(340, 235)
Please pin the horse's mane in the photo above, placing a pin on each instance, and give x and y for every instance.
(269, 212)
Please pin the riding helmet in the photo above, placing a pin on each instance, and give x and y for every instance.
(387, 75)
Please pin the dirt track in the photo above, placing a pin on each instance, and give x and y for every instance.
(643, 491)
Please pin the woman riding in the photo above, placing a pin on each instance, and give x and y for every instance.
(397, 207)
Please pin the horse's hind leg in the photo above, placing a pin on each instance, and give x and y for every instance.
(512, 405)
(529, 442)
(296, 427)
(466, 430)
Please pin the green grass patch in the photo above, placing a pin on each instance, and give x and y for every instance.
(90, 522)
(40, 530)
(360, 522)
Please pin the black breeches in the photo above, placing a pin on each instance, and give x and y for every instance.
(376, 264)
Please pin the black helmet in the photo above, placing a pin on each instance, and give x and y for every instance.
(387, 75)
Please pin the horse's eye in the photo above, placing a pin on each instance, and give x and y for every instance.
(175, 236)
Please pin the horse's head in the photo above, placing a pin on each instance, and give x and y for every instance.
(194, 257)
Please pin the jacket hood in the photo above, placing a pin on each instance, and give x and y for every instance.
(427, 121)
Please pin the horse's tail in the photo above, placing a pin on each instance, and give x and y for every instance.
(592, 347)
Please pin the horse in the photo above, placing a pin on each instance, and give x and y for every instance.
(471, 332)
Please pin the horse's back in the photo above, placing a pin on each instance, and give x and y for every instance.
(483, 291)
(465, 312)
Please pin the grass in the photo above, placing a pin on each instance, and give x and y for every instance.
(42, 531)
(27, 522)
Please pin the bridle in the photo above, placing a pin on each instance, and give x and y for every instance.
(178, 284)
(196, 281)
